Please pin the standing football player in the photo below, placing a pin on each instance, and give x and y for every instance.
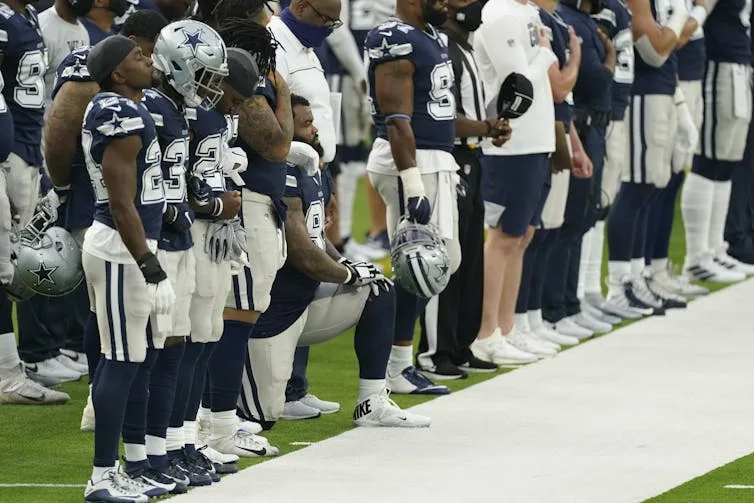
(125, 279)
(411, 165)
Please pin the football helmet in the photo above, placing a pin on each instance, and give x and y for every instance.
(17, 289)
(419, 258)
(50, 264)
(193, 59)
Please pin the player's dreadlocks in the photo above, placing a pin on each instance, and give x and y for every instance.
(215, 12)
(249, 35)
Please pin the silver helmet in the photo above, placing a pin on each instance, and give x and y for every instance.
(193, 59)
(420, 259)
(17, 289)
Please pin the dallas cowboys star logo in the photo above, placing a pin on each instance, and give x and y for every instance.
(193, 40)
(116, 122)
(443, 269)
(43, 274)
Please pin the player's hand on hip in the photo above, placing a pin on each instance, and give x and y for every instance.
(417, 204)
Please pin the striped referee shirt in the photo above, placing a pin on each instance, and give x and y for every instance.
(469, 88)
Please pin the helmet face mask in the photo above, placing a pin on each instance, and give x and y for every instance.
(420, 259)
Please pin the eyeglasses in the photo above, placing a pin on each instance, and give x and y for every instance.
(328, 22)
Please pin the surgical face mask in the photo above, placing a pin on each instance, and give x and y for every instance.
(308, 35)
(469, 18)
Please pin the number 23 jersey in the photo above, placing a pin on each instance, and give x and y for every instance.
(433, 118)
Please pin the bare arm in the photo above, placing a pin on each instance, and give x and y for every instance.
(563, 79)
(269, 132)
(119, 174)
(60, 137)
(303, 254)
(394, 90)
(662, 39)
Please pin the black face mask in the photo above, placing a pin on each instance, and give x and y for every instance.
(81, 7)
(469, 18)
(118, 7)
(433, 16)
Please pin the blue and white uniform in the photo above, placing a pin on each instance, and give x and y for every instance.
(211, 134)
(432, 121)
(24, 62)
(175, 245)
(263, 216)
(117, 290)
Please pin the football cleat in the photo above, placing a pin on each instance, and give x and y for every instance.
(679, 285)
(380, 410)
(200, 460)
(583, 319)
(136, 485)
(196, 475)
(154, 478)
(242, 444)
(323, 406)
(619, 305)
(567, 326)
(475, 365)
(17, 388)
(732, 264)
(444, 370)
(295, 410)
(640, 297)
(223, 463)
(707, 269)
(51, 372)
(175, 474)
(496, 349)
(591, 304)
(411, 382)
(249, 426)
(74, 361)
(110, 490)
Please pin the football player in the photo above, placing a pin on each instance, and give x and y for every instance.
(126, 281)
(410, 165)
(316, 296)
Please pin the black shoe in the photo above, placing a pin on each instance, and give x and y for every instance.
(197, 476)
(475, 365)
(443, 370)
(200, 460)
(177, 475)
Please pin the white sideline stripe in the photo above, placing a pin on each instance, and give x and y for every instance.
(78, 486)
(619, 419)
(738, 486)
(302, 443)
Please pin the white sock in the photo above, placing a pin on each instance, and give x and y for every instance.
(369, 387)
(156, 446)
(400, 358)
(593, 272)
(521, 322)
(224, 423)
(719, 215)
(535, 319)
(189, 432)
(9, 359)
(204, 414)
(696, 206)
(348, 180)
(617, 271)
(659, 264)
(637, 267)
(586, 249)
(174, 439)
(98, 472)
(135, 452)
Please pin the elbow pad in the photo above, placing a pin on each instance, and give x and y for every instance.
(648, 53)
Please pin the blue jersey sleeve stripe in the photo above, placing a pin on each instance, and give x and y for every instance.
(290, 181)
(128, 125)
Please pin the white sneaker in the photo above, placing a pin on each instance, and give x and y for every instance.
(108, 489)
(584, 319)
(619, 305)
(530, 343)
(17, 388)
(323, 406)
(217, 456)
(242, 444)
(249, 426)
(567, 326)
(51, 372)
(136, 486)
(293, 411)
(548, 334)
(706, 269)
(379, 410)
(592, 306)
(679, 285)
(74, 361)
(353, 249)
(642, 292)
(733, 264)
(496, 349)
(87, 416)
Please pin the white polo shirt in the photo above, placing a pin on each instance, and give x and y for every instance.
(61, 38)
(303, 73)
(506, 42)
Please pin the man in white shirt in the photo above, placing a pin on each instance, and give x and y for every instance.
(516, 176)
(62, 32)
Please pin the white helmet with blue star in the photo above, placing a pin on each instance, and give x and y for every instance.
(193, 59)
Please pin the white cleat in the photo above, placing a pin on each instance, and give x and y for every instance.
(591, 304)
(531, 343)
(217, 456)
(51, 372)
(496, 349)
(74, 361)
(242, 444)
(16, 388)
(551, 335)
(87, 416)
(110, 489)
(124, 480)
(249, 426)
(584, 319)
(323, 406)
(380, 410)
(619, 305)
(679, 285)
(733, 264)
(293, 411)
(567, 326)
(707, 269)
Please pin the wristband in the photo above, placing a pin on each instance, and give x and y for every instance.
(700, 14)
(150, 268)
(170, 215)
(412, 182)
(489, 128)
(217, 207)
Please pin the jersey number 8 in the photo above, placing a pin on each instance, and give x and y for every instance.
(442, 104)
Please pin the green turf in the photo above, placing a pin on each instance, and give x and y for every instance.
(44, 445)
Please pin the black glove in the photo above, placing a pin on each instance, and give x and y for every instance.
(199, 191)
(178, 216)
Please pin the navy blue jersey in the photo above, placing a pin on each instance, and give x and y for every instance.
(96, 34)
(593, 89)
(727, 32)
(292, 290)
(624, 49)
(651, 80)
(263, 176)
(133, 6)
(24, 62)
(109, 117)
(211, 133)
(79, 206)
(691, 58)
(433, 120)
(173, 136)
(559, 41)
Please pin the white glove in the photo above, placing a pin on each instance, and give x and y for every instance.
(163, 297)
(238, 263)
(365, 273)
(238, 246)
(304, 156)
(235, 162)
(687, 136)
(219, 241)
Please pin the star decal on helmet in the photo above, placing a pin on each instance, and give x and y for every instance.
(193, 40)
(44, 273)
